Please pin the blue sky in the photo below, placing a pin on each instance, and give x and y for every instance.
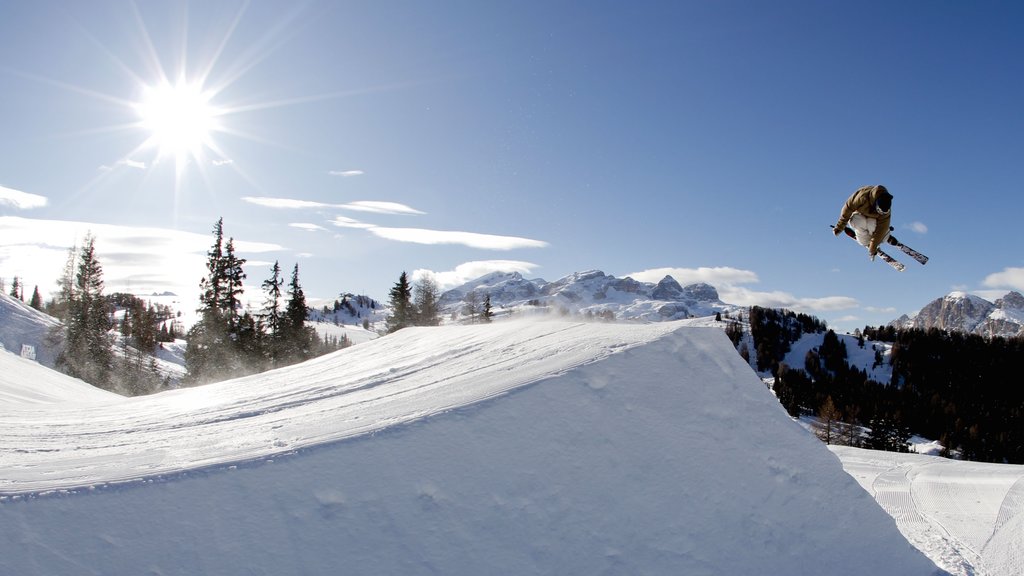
(715, 141)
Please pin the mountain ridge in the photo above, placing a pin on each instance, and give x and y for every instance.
(590, 292)
(960, 311)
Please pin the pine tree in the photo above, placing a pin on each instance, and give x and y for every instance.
(232, 289)
(36, 301)
(210, 287)
(402, 308)
(272, 315)
(87, 352)
(214, 350)
(16, 289)
(487, 315)
(299, 339)
(58, 305)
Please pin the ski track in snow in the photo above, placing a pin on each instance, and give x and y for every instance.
(966, 516)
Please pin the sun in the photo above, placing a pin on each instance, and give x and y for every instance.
(179, 118)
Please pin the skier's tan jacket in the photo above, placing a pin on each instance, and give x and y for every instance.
(863, 201)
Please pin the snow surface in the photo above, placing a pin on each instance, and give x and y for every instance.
(856, 357)
(966, 516)
(20, 325)
(512, 448)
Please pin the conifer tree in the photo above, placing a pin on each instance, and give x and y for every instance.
(487, 314)
(16, 290)
(272, 315)
(87, 352)
(36, 301)
(299, 339)
(402, 308)
(231, 291)
(213, 349)
(58, 305)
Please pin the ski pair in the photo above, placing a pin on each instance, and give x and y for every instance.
(886, 257)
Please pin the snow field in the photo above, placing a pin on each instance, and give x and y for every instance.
(966, 516)
(517, 448)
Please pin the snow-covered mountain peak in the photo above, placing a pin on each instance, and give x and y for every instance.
(961, 311)
(1012, 301)
(593, 292)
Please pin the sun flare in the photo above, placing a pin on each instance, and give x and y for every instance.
(179, 119)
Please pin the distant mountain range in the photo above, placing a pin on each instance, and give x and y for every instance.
(590, 293)
(963, 312)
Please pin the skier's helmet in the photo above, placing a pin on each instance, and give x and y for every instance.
(884, 201)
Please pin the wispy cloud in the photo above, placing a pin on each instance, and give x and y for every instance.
(346, 173)
(379, 207)
(470, 239)
(358, 206)
(222, 162)
(918, 227)
(410, 235)
(779, 299)
(472, 270)
(1009, 278)
(307, 226)
(346, 222)
(285, 203)
(124, 162)
(20, 200)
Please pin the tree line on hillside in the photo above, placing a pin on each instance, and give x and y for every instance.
(18, 292)
(86, 339)
(418, 305)
(228, 341)
(109, 340)
(959, 389)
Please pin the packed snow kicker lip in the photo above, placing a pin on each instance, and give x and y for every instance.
(614, 448)
(357, 391)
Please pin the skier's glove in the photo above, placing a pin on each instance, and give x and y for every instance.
(837, 230)
(872, 255)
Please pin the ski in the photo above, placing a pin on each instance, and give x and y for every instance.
(891, 261)
(908, 250)
(881, 254)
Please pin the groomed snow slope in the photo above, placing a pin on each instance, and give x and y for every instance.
(966, 516)
(513, 448)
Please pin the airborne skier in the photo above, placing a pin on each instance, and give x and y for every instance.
(865, 217)
(868, 212)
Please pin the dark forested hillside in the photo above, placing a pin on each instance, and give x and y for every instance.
(964, 390)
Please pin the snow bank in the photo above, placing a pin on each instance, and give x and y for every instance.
(515, 448)
(24, 383)
(21, 325)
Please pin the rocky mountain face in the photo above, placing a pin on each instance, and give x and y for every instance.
(590, 293)
(962, 312)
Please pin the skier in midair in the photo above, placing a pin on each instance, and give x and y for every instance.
(868, 212)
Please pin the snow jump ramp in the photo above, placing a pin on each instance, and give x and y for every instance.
(515, 448)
